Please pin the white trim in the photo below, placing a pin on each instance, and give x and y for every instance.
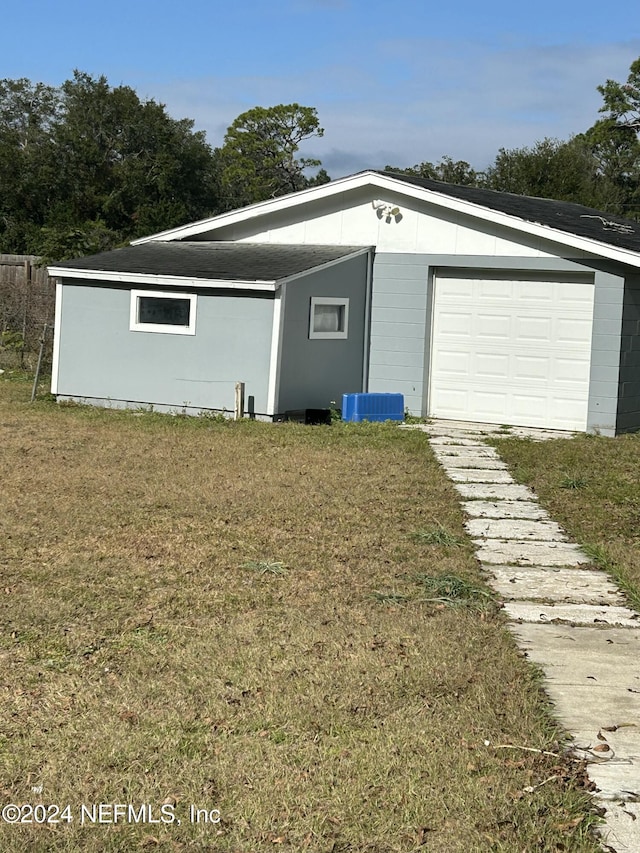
(162, 328)
(388, 183)
(274, 360)
(160, 280)
(340, 334)
(57, 326)
(366, 355)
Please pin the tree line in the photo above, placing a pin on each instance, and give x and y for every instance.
(86, 167)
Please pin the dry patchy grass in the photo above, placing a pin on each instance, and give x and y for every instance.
(591, 485)
(147, 656)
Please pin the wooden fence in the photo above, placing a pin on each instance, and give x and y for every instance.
(27, 302)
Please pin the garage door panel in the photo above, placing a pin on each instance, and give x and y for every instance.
(452, 324)
(455, 289)
(452, 363)
(575, 297)
(535, 329)
(511, 351)
(530, 367)
(498, 290)
(571, 370)
(530, 293)
(491, 365)
(530, 406)
(452, 400)
(571, 331)
(490, 404)
(494, 327)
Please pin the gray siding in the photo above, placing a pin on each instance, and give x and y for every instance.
(629, 388)
(316, 373)
(101, 359)
(605, 352)
(400, 326)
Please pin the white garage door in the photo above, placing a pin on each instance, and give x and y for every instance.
(511, 351)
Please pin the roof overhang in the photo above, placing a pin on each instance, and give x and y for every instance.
(164, 281)
(185, 282)
(382, 182)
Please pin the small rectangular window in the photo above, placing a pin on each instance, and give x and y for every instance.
(329, 318)
(169, 313)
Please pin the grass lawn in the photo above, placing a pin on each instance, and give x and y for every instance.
(242, 617)
(590, 485)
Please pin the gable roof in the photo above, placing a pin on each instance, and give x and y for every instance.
(574, 225)
(221, 264)
(562, 215)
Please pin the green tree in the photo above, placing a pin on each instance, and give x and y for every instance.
(549, 169)
(615, 143)
(258, 161)
(27, 163)
(95, 166)
(448, 170)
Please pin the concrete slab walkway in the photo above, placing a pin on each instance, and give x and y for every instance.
(568, 617)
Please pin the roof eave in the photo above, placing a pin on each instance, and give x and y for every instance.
(164, 281)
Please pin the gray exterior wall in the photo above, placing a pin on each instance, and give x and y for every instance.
(629, 388)
(316, 373)
(101, 360)
(402, 301)
(400, 326)
(605, 352)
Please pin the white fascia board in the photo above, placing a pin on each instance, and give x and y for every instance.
(57, 326)
(387, 182)
(584, 244)
(303, 273)
(277, 326)
(165, 281)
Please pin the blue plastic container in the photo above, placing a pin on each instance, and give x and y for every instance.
(372, 407)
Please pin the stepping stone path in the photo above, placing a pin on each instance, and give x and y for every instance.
(567, 616)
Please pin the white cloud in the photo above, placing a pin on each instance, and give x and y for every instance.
(405, 101)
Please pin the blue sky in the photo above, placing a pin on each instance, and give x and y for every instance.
(393, 82)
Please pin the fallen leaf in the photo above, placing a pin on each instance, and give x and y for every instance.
(600, 736)
(602, 747)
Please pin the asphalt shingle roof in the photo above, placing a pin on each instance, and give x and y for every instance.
(563, 215)
(212, 261)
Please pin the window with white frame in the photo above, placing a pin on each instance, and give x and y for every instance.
(168, 313)
(329, 317)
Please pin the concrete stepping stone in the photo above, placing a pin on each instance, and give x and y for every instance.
(458, 433)
(438, 423)
(477, 463)
(495, 491)
(515, 528)
(464, 452)
(619, 832)
(450, 441)
(476, 475)
(575, 614)
(584, 586)
(505, 509)
(539, 434)
(516, 552)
